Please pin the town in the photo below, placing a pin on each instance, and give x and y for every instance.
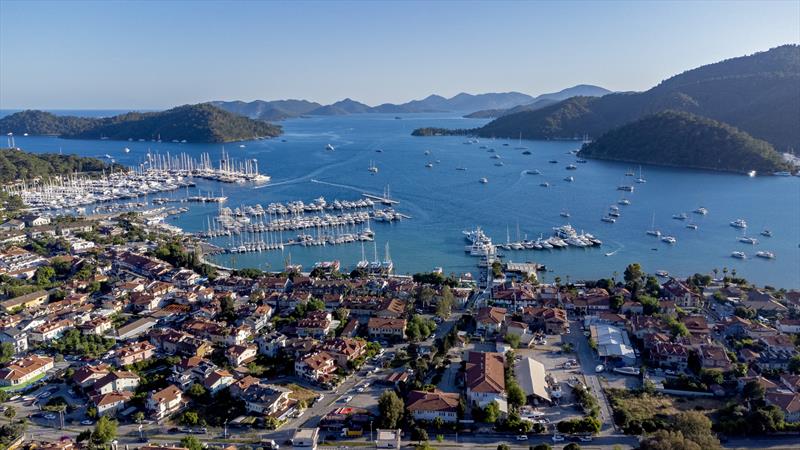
(115, 333)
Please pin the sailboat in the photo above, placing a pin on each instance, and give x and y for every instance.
(520, 146)
(641, 178)
(652, 231)
(372, 167)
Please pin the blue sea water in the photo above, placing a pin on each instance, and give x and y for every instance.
(443, 201)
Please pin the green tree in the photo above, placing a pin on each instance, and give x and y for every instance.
(10, 412)
(91, 412)
(391, 409)
(196, 390)
(794, 364)
(503, 447)
(6, 352)
(542, 447)
(138, 417)
(44, 275)
(271, 423)
(572, 446)
(191, 443)
(516, 396)
(491, 413)
(190, 418)
(105, 430)
(512, 339)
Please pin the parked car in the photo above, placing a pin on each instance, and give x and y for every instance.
(522, 437)
(50, 416)
(271, 445)
(586, 439)
(87, 422)
(558, 438)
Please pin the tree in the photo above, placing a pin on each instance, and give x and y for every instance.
(572, 446)
(44, 275)
(516, 396)
(10, 412)
(503, 447)
(633, 277)
(271, 423)
(91, 412)
(542, 447)
(419, 434)
(191, 443)
(6, 352)
(196, 390)
(491, 413)
(512, 339)
(138, 417)
(105, 430)
(190, 418)
(391, 408)
(794, 364)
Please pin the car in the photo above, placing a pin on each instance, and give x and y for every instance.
(366, 385)
(669, 372)
(50, 416)
(271, 445)
(173, 430)
(586, 439)
(558, 438)
(600, 368)
(522, 437)
(87, 422)
(361, 389)
(45, 394)
(321, 396)
(185, 430)
(348, 398)
(203, 430)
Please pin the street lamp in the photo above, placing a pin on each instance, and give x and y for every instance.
(225, 429)
(370, 432)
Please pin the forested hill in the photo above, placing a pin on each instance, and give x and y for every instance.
(194, 123)
(18, 165)
(681, 139)
(757, 94)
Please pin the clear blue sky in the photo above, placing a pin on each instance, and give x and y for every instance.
(159, 54)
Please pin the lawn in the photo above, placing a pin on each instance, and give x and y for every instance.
(642, 406)
(19, 387)
(302, 394)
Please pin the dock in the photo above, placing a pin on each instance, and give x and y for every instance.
(383, 200)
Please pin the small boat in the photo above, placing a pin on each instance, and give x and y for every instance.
(748, 240)
(495, 156)
(630, 173)
(572, 167)
(429, 165)
(461, 168)
(681, 216)
(553, 161)
(107, 156)
(782, 173)
(613, 213)
(580, 161)
(739, 223)
(484, 180)
(669, 240)
(427, 152)
(608, 219)
(544, 184)
(499, 164)
(533, 172)
(766, 233)
(612, 253)
(378, 151)
(625, 187)
(739, 255)
(564, 214)
(624, 201)
(241, 145)
(751, 173)
(126, 150)
(691, 226)
(329, 147)
(702, 211)
(526, 152)
(570, 179)
(766, 255)
(662, 273)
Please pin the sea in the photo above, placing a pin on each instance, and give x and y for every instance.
(443, 201)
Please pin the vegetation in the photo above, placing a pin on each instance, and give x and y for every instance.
(191, 443)
(419, 328)
(391, 409)
(73, 342)
(682, 139)
(19, 165)
(690, 430)
(203, 122)
(6, 352)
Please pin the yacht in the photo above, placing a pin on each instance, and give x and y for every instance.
(499, 164)
(702, 211)
(766, 233)
(372, 167)
(669, 240)
(608, 219)
(572, 167)
(681, 216)
(526, 152)
(107, 156)
(641, 178)
(570, 179)
(624, 201)
(739, 255)
(739, 223)
(427, 152)
(613, 213)
(564, 214)
(429, 165)
(329, 147)
(748, 240)
(691, 226)
(378, 151)
(126, 150)
(533, 172)
(495, 156)
(630, 173)
(544, 184)
(662, 273)
(625, 187)
(652, 231)
(241, 145)
(766, 255)
(751, 173)
(484, 180)
(461, 168)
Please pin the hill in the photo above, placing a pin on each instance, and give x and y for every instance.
(194, 123)
(585, 90)
(681, 139)
(757, 94)
(341, 108)
(19, 165)
(269, 110)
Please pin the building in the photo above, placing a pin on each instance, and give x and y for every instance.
(788, 402)
(35, 220)
(551, 320)
(316, 324)
(26, 301)
(118, 381)
(16, 337)
(485, 380)
(110, 403)
(305, 438)
(217, 381)
(24, 370)
(318, 367)
(241, 354)
(268, 399)
(139, 351)
(388, 438)
(164, 402)
(345, 349)
(135, 328)
(427, 406)
(490, 320)
(613, 342)
(531, 377)
(50, 330)
(380, 327)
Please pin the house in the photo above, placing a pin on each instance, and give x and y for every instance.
(485, 379)
(551, 320)
(714, 357)
(135, 328)
(139, 351)
(162, 403)
(12, 225)
(305, 439)
(613, 342)
(23, 302)
(241, 354)
(779, 342)
(318, 367)
(788, 402)
(386, 328)
(631, 307)
(110, 403)
(786, 325)
(86, 376)
(316, 324)
(118, 381)
(218, 380)
(531, 377)
(267, 399)
(345, 350)
(389, 439)
(680, 293)
(16, 337)
(427, 406)
(271, 344)
(670, 354)
(35, 220)
(490, 320)
(24, 370)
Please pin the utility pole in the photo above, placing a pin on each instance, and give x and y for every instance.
(370, 432)
(225, 430)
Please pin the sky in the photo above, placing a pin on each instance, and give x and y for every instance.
(154, 55)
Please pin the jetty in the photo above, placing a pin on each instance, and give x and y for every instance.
(384, 199)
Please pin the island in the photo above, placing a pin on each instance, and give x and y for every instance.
(681, 139)
(202, 122)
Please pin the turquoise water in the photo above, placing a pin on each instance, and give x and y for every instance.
(443, 201)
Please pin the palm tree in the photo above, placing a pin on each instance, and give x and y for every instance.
(716, 272)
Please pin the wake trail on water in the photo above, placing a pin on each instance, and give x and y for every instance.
(311, 174)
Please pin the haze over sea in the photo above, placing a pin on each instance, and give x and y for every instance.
(443, 201)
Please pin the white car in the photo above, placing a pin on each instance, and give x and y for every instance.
(361, 389)
(87, 422)
(366, 385)
(586, 439)
(348, 398)
(50, 416)
(522, 437)
(558, 438)
(45, 394)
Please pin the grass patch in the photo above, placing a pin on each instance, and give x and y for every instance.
(302, 394)
(19, 387)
